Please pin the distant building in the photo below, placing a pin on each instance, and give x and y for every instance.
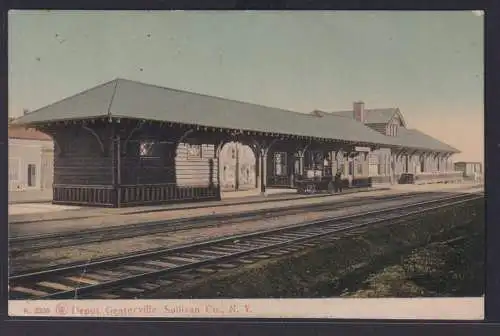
(420, 154)
(31, 157)
(470, 169)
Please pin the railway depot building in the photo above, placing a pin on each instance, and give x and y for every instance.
(126, 143)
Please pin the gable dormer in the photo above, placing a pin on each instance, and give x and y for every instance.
(383, 120)
(394, 123)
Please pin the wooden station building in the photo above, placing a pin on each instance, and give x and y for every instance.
(126, 143)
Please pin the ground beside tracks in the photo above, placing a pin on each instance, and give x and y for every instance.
(439, 254)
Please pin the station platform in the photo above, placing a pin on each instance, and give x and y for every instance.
(46, 211)
(74, 220)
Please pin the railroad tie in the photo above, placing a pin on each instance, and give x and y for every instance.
(149, 286)
(96, 277)
(262, 256)
(197, 256)
(206, 270)
(55, 285)
(220, 253)
(179, 258)
(28, 291)
(139, 268)
(246, 261)
(226, 265)
(108, 296)
(160, 263)
(84, 280)
(133, 290)
(276, 253)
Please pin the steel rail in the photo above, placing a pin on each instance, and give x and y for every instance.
(30, 243)
(198, 254)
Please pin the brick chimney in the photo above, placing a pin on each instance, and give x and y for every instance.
(359, 111)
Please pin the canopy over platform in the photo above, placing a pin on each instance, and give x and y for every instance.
(126, 99)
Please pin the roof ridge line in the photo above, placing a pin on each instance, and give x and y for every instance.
(113, 96)
(69, 97)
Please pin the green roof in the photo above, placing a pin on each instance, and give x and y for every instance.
(123, 98)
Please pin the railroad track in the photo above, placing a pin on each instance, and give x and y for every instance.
(145, 209)
(24, 244)
(132, 274)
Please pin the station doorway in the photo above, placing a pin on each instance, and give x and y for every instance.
(237, 167)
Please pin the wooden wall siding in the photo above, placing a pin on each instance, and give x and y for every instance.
(379, 127)
(80, 160)
(75, 140)
(198, 171)
(136, 170)
(47, 169)
(83, 170)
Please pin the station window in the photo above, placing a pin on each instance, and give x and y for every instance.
(194, 151)
(359, 168)
(316, 160)
(146, 148)
(393, 130)
(280, 167)
(31, 175)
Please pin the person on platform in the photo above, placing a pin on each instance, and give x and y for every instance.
(338, 181)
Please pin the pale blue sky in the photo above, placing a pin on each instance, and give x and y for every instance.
(429, 64)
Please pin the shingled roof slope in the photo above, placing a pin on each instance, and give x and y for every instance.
(372, 116)
(123, 98)
(407, 136)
